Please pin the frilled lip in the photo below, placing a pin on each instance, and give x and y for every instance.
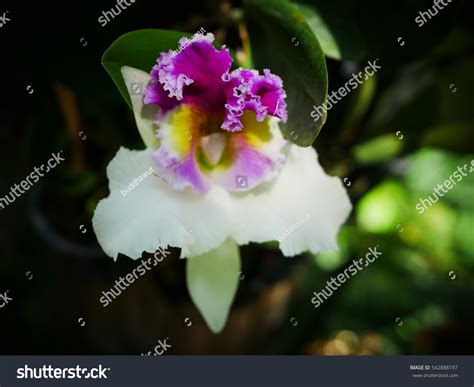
(198, 97)
(199, 75)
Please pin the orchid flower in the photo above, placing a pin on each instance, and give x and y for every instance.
(223, 175)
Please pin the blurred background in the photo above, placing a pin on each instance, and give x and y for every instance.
(394, 139)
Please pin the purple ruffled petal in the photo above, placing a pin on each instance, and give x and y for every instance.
(246, 89)
(156, 94)
(269, 88)
(192, 75)
(235, 101)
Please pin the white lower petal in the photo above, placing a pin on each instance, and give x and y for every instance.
(152, 215)
(303, 208)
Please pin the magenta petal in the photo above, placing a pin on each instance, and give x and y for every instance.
(269, 88)
(193, 75)
(156, 94)
(235, 93)
(246, 89)
(200, 62)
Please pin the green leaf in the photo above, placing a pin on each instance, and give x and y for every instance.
(321, 30)
(335, 29)
(212, 280)
(282, 40)
(138, 49)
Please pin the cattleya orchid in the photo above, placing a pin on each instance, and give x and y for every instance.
(223, 174)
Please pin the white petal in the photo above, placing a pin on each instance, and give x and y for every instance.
(302, 209)
(145, 115)
(152, 215)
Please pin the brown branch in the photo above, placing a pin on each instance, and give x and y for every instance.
(70, 110)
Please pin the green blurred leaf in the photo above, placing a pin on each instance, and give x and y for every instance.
(382, 208)
(380, 149)
(360, 102)
(437, 237)
(453, 137)
(138, 49)
(282, 40)
(463, 234)
(212, 280)
(429, 168)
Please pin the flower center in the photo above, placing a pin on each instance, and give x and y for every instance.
(215, 125)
